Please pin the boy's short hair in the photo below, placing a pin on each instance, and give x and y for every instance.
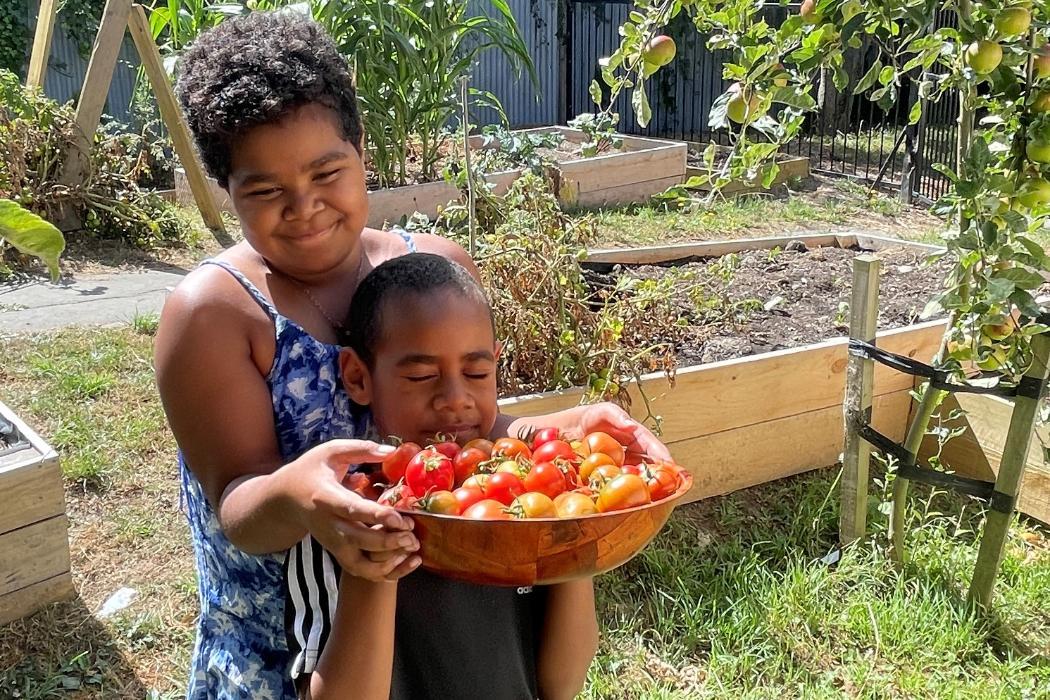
(414, 273)
(255, 69)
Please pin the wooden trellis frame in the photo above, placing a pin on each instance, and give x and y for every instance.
(118, 16)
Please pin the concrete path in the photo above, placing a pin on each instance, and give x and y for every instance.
(99, 300)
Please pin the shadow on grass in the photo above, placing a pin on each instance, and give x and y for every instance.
(63, 651)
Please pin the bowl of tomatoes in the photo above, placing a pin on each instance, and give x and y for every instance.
(531, 510)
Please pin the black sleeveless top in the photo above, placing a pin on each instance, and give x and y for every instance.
(452, 640)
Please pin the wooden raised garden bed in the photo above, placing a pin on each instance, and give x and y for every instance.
(643, 167)
(34, 543)
(744, 421)
(790, 167)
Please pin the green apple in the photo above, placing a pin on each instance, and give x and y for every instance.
(742, 105)
(984, 56)
(1038, 151)
(808, 12)
(995, 360)
(1034, 192)
(1013, 21)
(1041, 62)
(660, 50)
(1041, 101)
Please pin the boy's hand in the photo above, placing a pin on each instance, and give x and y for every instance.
(350, 527)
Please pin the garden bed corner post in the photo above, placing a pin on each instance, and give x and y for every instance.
(860, 375)
(1008, 482)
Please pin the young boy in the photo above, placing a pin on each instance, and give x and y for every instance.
(423, 358)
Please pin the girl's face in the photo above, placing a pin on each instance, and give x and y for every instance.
(299, 191)
(434, 369)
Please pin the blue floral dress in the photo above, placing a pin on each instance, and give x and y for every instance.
(241, 651)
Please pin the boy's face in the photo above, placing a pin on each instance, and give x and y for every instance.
(299, 191)
(434, 369)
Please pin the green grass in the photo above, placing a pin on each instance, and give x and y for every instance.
(731, 600)
(840, 203)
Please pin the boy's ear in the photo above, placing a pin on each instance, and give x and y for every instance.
(356, 379)
(498, 350)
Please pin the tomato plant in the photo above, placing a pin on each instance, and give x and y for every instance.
(429, 470)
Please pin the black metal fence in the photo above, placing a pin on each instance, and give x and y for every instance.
(847, 136)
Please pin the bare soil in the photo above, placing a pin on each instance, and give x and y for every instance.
(759, 301)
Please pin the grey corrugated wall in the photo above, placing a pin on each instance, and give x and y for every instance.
(523, 103)
(66, 70)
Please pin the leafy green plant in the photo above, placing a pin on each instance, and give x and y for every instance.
(30, 234)
(600, 129)
(36, 134)
(558, 327)
(503, 149)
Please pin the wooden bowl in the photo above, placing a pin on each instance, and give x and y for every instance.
(538, 551)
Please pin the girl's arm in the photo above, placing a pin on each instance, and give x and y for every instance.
(358, 659)
(569, 641)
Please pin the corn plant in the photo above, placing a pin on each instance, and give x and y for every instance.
(409, 58)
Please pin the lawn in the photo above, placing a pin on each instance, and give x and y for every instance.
(733, 598)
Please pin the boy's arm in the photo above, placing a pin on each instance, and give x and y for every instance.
(358, 658)
(569, 641)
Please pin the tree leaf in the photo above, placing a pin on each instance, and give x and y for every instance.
(1025, 279)
(31, 234)
(642, 112)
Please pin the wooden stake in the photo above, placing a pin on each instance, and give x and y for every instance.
(96, 87)
(1015, 453)
(471, 205)
(173, 119)
(860, 372)
(45, 29)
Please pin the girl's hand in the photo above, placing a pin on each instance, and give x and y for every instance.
(369, 540)
(610, 418)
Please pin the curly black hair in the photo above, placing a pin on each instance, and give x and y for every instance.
(418, 274)
(254, 70)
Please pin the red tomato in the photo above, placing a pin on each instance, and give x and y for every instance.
(503, 487)
(511, 448)
(550, 451)
(394, 494)
(533, 504)
(467, 461)
(545, 478)
(487, 509)
(361, 484)
(661, 479)
(592, 462)
(429, 471)
(543, 436)
(625, 491)
(466, 496)
(447, 447)
(443, 502)
(481, 444)
(632, 469)
(395, 463)
(606, 444)
(571, 504)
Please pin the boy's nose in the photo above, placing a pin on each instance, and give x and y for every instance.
(454, 395)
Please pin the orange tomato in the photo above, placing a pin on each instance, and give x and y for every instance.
(625, 491)
(606, 444)
(592, 462)
(487, 509)
(475, 481)
(441, 502)
(604, 474)
(511, 448)
(572, 504)
(534, 504)
(480, 444)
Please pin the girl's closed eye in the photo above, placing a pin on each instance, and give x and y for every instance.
(268, 193)
(328, 175)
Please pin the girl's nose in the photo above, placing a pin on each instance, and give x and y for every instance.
(302, 206)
